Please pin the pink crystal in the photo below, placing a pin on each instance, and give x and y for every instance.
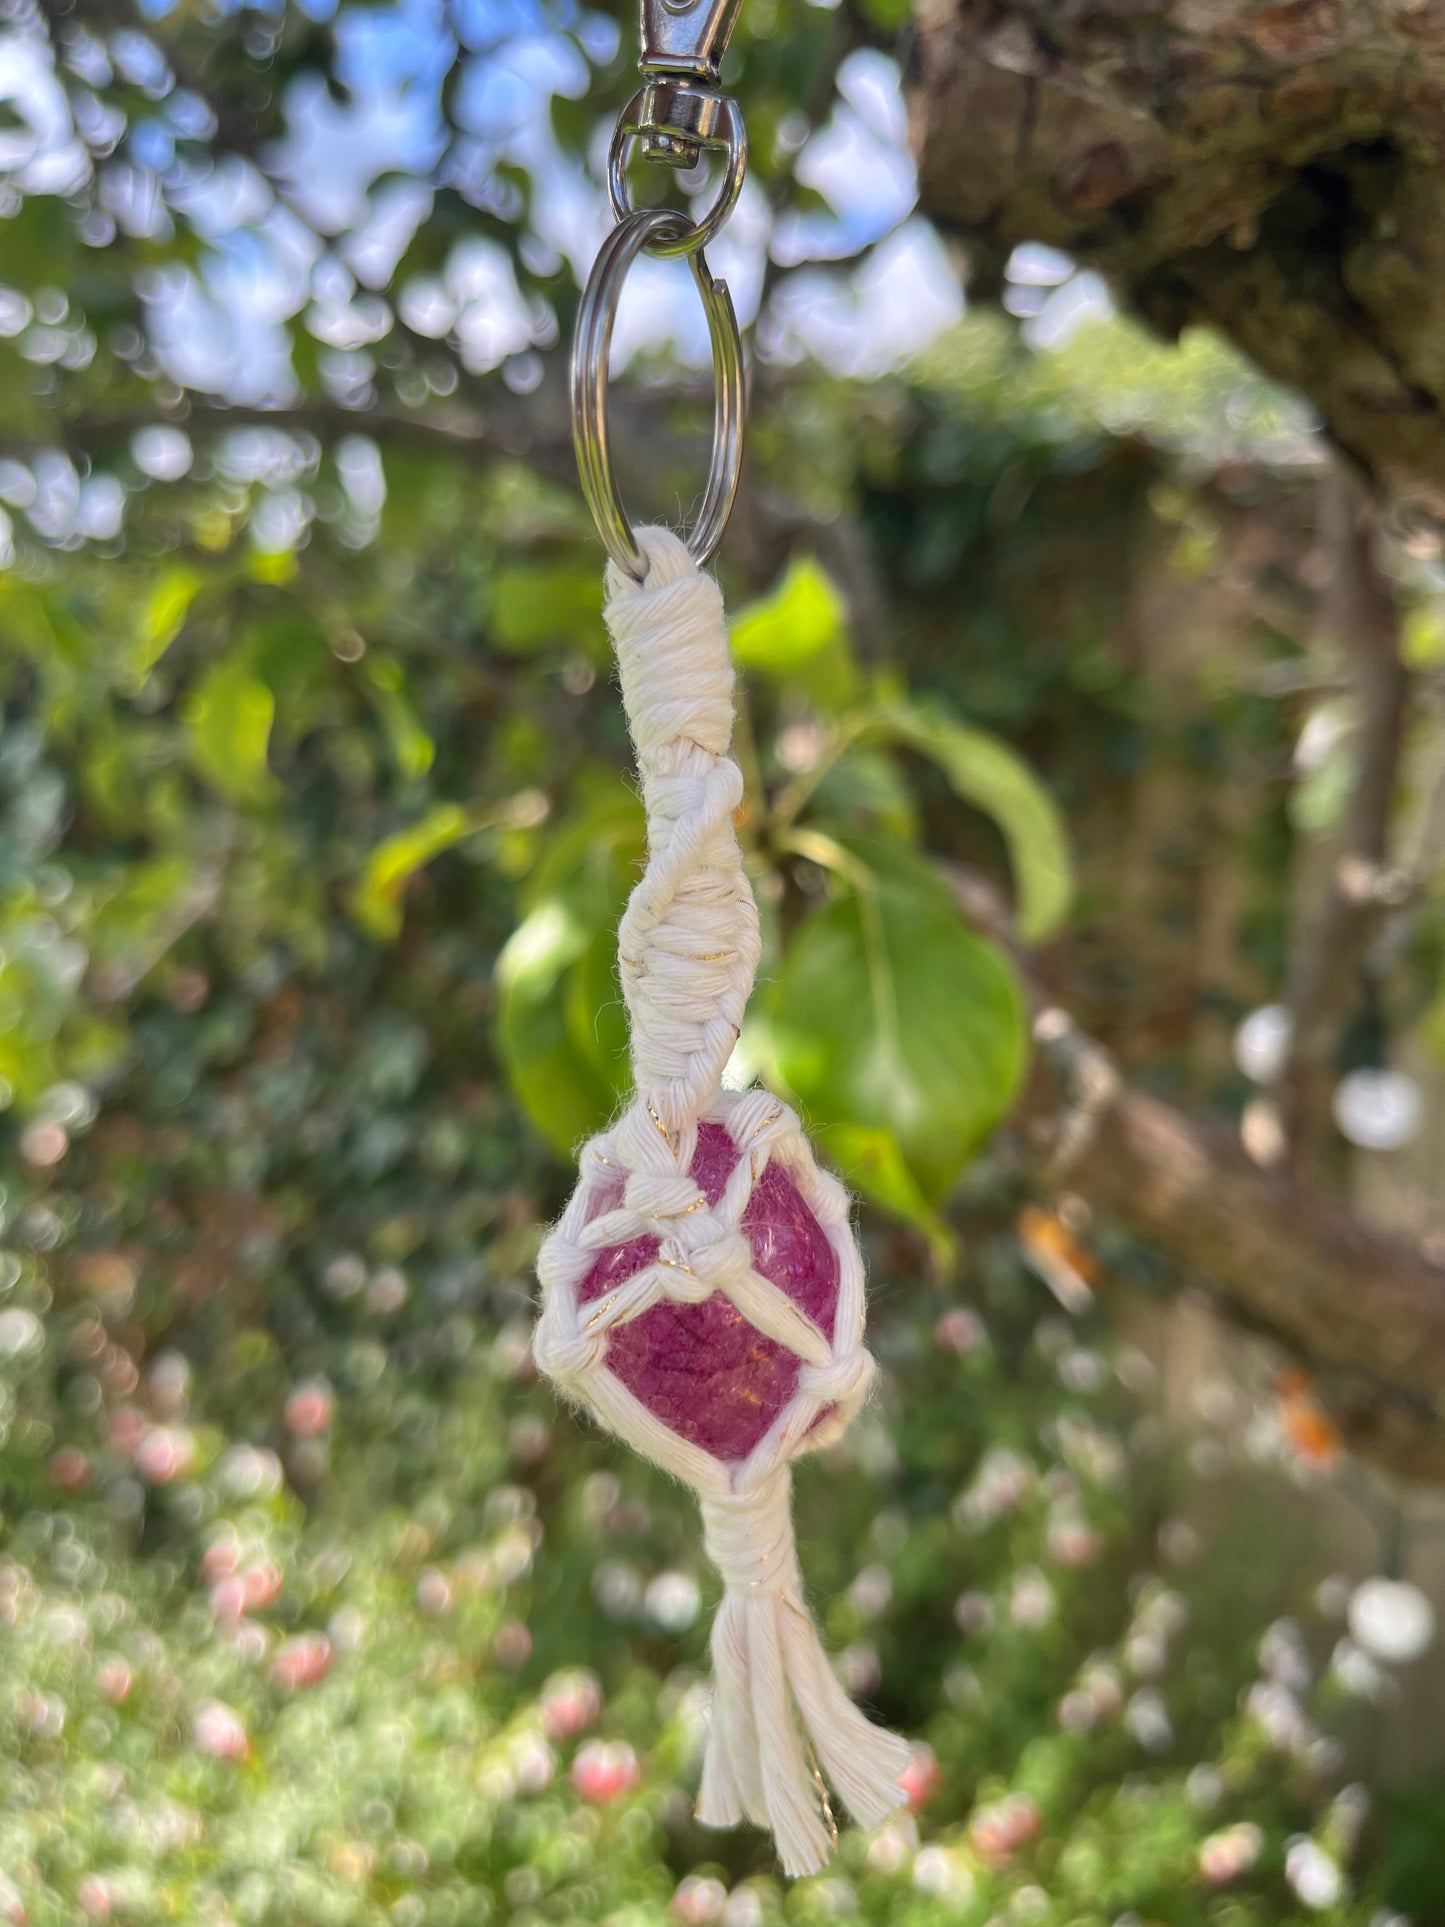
(708, 1374)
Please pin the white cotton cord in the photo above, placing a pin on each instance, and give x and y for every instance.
(688, 952)
(864, 1762)
(688, 947)
(767, 1660)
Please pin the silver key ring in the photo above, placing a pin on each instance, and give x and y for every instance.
(591, 343)
(679, 123)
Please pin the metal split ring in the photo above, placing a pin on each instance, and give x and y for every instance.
(639, 229)
(676, 122)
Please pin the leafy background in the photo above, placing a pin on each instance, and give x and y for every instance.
(317, 827)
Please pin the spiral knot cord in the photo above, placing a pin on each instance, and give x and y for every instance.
(688, 946)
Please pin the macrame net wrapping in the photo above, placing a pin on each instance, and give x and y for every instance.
(703, 1290)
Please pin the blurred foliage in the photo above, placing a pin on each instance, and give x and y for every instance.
(1196, 396)
(299, 1561)
(316, 825)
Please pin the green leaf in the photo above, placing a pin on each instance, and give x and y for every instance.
(871, 1161)
(1430, 1032)
(558, 1085)
(289, 651)
(1422, 636)
(891, 1016)
(536, 604)
(142, 901)
(162, 617)
(228, 717)
(986, 773)
(376, 901)
(866, 790)
(586, 852)
(562, 1027)
(891, 16)
(1318, 801)
(411, 746)
(796, 620)
(797, 634)
(596, 1016)
(38, 244)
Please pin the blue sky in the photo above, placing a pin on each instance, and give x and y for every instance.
(352, 181)
(222, 328)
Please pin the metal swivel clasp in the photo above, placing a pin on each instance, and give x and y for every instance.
(676, 114)
(679, 111)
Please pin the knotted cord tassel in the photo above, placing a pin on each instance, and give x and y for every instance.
(767, 1661)
(666, 1309)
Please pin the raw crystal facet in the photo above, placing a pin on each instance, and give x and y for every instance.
(703, 1370)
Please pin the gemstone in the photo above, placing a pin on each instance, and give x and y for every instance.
(704, 1370)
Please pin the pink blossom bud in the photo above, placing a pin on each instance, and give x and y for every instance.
(219, 1733)
(310, 1408)
(570, 1702)
(921, 1775)
(603, 1771)
(302, 1662)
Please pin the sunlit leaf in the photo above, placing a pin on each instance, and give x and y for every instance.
(273, 566)
(794, 621)
(228, 721)
(376, 902)
(163, 615)
(1325, 758)
(986, 773)
(1422, 635)
(1431, 1030)
(143, 899)
(890, 1015)
(412, 747)
(797, 634)
(562, 1027)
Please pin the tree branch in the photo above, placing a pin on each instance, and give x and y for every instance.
(1365, 1310)
(1276, 174)
(767, 527)
(521, 428)
(534, 428)
(1354, 887)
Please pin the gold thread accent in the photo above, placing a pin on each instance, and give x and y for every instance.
(601, 1311)
(676, 1264)
(829, 1817)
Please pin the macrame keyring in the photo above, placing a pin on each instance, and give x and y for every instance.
(702, 1294)
(703, 1290)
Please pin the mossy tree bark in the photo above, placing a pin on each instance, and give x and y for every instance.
(1276, 171)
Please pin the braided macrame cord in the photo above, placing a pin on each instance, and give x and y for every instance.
(654, 1277)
